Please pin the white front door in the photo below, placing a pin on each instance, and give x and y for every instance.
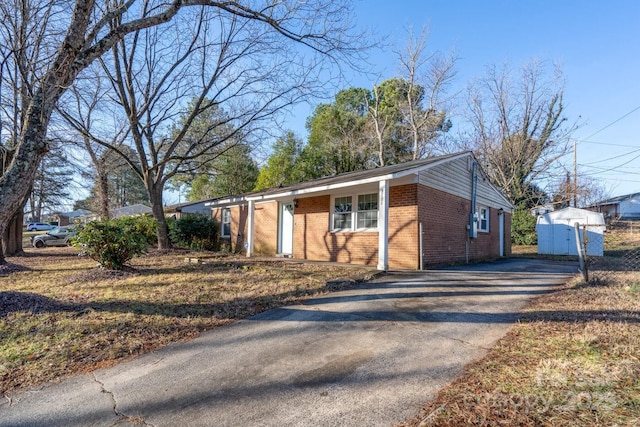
(286, 229)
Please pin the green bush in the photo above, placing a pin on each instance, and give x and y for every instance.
(114, 242)
(523, 228)
(196, 232)
(145, 225)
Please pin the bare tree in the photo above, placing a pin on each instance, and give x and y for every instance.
(98, 124)
(91, 28)
(585, 192)
(519, 129)
(24, 55)
(379, 122)
(236, 72)
(427, 78)
(52, 184)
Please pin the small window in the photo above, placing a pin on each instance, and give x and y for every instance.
(226, 223)
(483, 219)
(368, 210)
(342, 213)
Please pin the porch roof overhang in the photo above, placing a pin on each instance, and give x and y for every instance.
(338, 182)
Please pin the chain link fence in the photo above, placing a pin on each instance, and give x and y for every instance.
(621, 242)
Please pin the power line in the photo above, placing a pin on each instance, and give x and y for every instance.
(606, 143)
(614, 122)
(614, 170)
(612, 158)
(616, 167)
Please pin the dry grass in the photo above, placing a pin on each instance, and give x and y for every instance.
(62, 315)
(572, 360)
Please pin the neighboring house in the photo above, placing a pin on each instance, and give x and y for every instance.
(557, 234)
(621, 207)
(189, 208)
(131, 210)
(435, 211)
(67, 218)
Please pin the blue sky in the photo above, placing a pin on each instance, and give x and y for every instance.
(596, 44)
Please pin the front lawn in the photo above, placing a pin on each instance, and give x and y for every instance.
(61, 315)
(573, 359)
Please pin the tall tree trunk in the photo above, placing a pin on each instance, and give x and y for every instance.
(12, 237)
(17, 179)
(155, 197)
(103, 195)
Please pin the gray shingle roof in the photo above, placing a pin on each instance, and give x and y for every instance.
(617, 199)
(356, 176)
(137, 209)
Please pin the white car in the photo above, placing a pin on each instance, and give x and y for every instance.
(39, 226)
(59, 236)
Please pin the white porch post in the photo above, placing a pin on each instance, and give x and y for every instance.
(383, 226)
(250, 228)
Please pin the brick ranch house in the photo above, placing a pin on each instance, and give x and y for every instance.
(436, 211)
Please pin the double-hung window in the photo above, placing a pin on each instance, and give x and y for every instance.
(342, 212)
(483, 219)
(225, 230)
(350, 216)
(368, 211)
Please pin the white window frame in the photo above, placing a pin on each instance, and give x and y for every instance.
(349, 214)
(226, 217)
(358, 211)
(483, 215)
(354, 212)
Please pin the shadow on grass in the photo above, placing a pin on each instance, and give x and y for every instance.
(238, 308)
(582, 316)
(12, 301)
(9, 268)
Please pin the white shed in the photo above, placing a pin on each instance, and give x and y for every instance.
(557, 236)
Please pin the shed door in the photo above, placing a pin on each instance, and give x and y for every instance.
(286, 229)
(564, 239)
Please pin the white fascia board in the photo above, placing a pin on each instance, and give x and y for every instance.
(240, 200)
(317, 189)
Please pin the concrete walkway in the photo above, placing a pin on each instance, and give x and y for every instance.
(368, 356)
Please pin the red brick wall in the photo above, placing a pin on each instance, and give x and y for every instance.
(445, 235)
(403, 227)
(444, 218)
(239, 215)
(265, 229)
(313, 240)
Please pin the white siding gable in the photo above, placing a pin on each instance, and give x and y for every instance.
(454, 177)
(630, 208)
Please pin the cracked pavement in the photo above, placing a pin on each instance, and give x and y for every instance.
(366, 356)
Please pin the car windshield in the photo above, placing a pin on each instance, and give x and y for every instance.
(57, 230)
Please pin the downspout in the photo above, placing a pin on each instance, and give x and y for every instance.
(472, 214)
(421, 247)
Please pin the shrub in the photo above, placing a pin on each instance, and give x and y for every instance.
(114, 242)
(145, 225)
(523, 228)
(197, 232)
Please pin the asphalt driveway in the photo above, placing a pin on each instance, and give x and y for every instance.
(366, 356)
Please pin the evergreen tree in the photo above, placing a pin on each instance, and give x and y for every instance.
(232, 172)
(281, 165)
